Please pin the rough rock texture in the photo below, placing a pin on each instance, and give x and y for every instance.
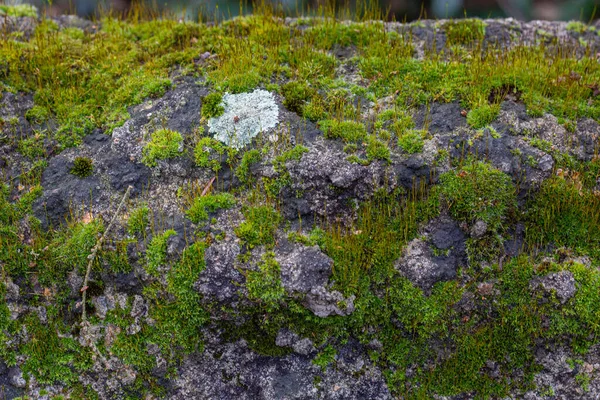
(233, 371)
(561, 284)
(436, 257)
(302, 268)
(321, 188)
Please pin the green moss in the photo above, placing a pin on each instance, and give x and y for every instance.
(37, 114)
(412, 141)
(82, 167)
(202, 205)
(243, 170)
(264, 286)
(6, 326)
(349, 131)
(212, 105)
(180, 317)
(478, 191)
(325, 357)
(69, 248)
(314, 110)
(138, 220)
(294, 154)
(51, 358)
(577, 27)
(565, 213)
(259, 227)
(482, 115)
(156, 254)
(209, 153)
(164, 144)
(19, 10)
(32, 147)
(464, 31)
(377, 150)
(295, 95)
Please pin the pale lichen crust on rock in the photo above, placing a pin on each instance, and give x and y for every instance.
(245, 116)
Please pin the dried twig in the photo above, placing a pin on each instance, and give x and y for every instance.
(208, 186)
(95, 250)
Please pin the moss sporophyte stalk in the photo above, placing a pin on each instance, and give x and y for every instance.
(306, 207)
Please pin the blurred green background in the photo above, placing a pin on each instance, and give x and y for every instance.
(584, 10)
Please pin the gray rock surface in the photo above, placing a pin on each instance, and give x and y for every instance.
(324, 303)
(436, 257)
(302, 268)
(561, 284)
(233, 371)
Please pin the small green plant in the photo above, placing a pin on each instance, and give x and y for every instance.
(82, 167)
(482, 115)
(565, 213)
(243, 170)
(577, 27)
(295, 95)
(209, 153)
(478, 191)
(264, 285)
(164, 144)
(32, 147)
(37, 114)
(212, 105)
(325, 357)
(259, 227)
(464, 31)
(156, 254)
(314, 109)
(401, 124)
(19, 10)
(138, 220)
(349, 131)
(294, 153)
(377, 150)
(203, 205)
(412, 141)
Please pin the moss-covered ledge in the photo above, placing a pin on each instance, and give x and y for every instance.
(319, 207)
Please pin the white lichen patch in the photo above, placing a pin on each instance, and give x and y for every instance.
(246, 115)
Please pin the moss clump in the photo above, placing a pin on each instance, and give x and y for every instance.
(296, 94)
(314, 109)
(82, 167)
(37, 114)
(377, 150)
(209, 153)
(464, 31)
(156, 254)
(566, 213)
(577, 27)
(483, 115)
(294, 153)
(19, 10)
(33, 148)
(138, 220)
(412, 141)
(259, 227)
(202, 205)
(264, 285)
(164, 144)
(478, 191)
(212, 105)
(71, 247)
(179, 316)
(349, 131)
(248, 159)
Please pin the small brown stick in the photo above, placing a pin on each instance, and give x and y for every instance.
(95, 250)
(208, 186)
